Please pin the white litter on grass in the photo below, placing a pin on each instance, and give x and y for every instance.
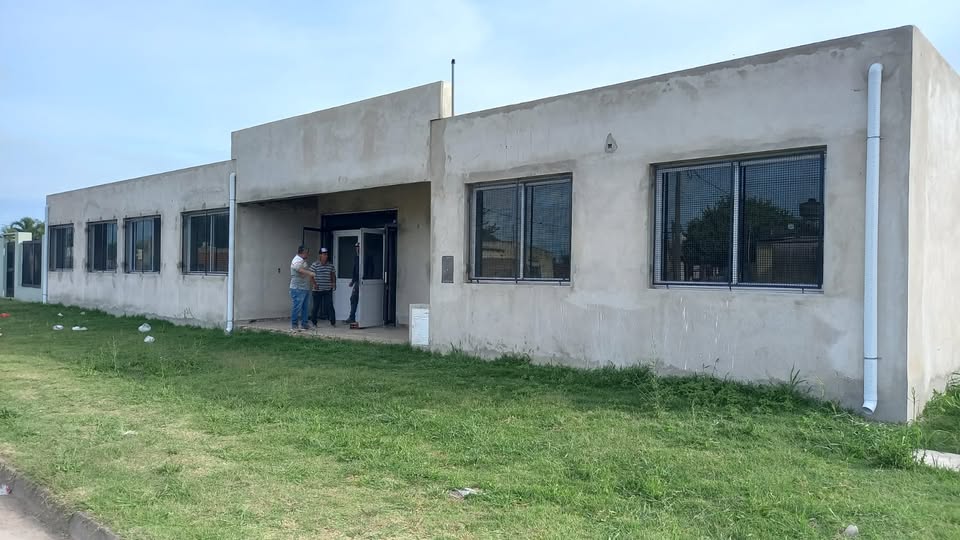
(463, 493)
(851, 531)
(58, 327)
(144, 328)
(79, 328)
(129, 433)
(59, 314)
(148, 339)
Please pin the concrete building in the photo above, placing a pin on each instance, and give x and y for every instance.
(715, 219)
(23, 271)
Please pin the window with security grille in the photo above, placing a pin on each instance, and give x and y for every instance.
(142, 240)
(31, 264)
(61, 247)
(744, 222)
(102, 246)
(205, 237)
(521, 230)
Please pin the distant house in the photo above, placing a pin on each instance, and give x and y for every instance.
(715, 219)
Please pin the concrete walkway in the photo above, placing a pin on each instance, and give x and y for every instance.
(14, 525)
(379, 334)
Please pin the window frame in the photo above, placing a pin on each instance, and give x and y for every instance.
(55, 232)
(520, 186)
(185, 238)
(129, 239)
(737, 163)
(37, 259)
(90, 249)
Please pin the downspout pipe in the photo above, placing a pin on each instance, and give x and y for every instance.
(231, 252)
(44, 254)
(871, 241)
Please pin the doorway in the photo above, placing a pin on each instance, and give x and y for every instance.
(376, 234)
(11, 250)
(361, 250)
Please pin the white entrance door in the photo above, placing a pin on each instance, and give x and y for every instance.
(344, 255)
(370, 311)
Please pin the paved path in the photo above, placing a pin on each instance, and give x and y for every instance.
(16, 526)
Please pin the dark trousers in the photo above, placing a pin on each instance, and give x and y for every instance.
(322, 307)
(354, 298)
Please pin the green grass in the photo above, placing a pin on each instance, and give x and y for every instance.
(940, 421)
(200, 435)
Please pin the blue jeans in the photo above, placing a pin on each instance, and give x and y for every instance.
(300, 306)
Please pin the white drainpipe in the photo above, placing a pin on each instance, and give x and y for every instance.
(231, 253)
(871, 236)
(44, 254)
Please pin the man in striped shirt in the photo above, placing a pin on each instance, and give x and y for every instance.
(324, 284)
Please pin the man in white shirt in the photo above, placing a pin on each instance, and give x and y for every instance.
(300, 285)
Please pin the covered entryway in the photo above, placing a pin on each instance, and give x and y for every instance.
(392, 223)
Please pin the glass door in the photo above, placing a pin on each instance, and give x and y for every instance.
(370, 311)
(344, 257)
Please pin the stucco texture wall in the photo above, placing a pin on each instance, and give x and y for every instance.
(376, 142)
(812, 96)
(934, 310)
(168, 294)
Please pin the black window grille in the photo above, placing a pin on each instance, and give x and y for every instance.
(61, 247)
(31, 263)
(746, 222)
(521, 230)
(102, 246)
(142, 238)
(205, 242)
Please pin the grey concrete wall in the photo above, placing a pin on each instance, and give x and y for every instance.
(268, 234)
(412, 203)
(376, 142)
(169, 294)
(933, 345)
(267, 238)
(610, 314)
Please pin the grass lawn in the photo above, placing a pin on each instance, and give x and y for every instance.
(199, 435)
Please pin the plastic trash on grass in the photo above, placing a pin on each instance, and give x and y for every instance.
(79, 328)
(144, 328)
(148, 339)
(463, 493)
(58, 327)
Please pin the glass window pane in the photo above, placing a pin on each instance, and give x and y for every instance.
(547, 231)
(68, 248)
(780, 238)
(111, 246)
(221, 241)
(697, 219)
(346, 252)
(198, 255)
(496, 250)
(373, 256)
(155, 252)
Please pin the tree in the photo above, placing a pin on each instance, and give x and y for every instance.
(25, 224)
(708, 236)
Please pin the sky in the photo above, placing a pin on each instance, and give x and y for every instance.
(99, 91)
